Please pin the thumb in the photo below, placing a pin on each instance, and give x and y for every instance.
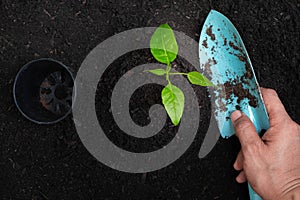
(244, 129)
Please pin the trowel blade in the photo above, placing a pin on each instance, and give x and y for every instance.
(225, 61)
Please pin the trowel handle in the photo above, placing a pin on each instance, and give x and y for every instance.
(252, 194)
(261, 122)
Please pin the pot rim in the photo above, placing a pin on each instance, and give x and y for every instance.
(28, 65)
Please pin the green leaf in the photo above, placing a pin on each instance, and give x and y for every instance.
(173, 100)
(163, 44)
(198, 79)
(158, 72)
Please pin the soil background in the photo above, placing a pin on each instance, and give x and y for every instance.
(50, 162)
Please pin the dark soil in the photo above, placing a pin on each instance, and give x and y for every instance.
(50, 162)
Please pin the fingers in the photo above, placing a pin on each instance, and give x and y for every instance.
(238, 164)
(249, 140)
(245, 130)
(241, 178)
(275, 108)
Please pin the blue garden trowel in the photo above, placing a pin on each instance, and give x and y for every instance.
(225, 61)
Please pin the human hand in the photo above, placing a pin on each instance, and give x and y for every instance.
(270, 164)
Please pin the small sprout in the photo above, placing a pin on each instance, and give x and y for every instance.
(164, 49)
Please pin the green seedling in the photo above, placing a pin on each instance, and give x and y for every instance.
(164, 49)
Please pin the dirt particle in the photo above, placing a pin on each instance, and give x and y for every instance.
(238, 90)
(214, 61)
(207, 67)
(210, 33)
(204, 43)
(231, 44)
(232, 89)
(221, 105)
(241, 57)
(234, 36)
(225, 42)
(248, 74)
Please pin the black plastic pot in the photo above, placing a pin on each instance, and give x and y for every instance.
(43, 91)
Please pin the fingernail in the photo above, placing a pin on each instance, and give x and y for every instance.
(235, 115)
